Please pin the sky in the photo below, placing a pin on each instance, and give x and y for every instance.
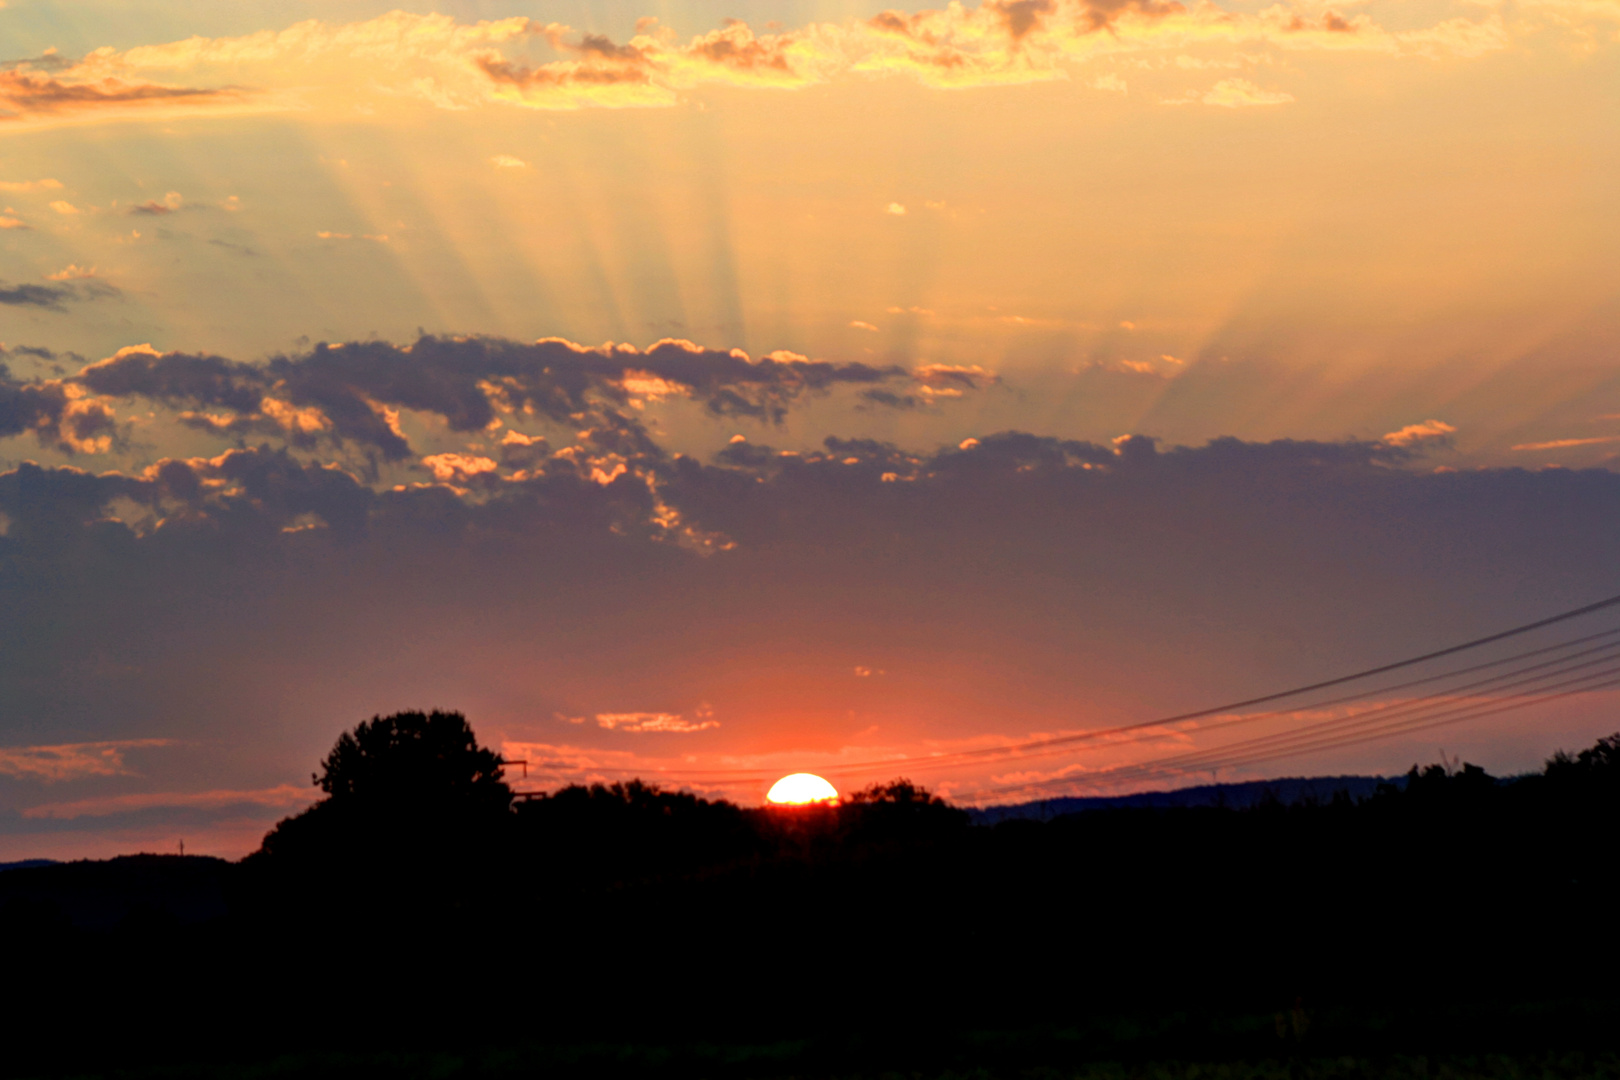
(707, 391)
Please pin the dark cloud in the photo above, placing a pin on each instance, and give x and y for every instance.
(25, 91)
(178, 377)
(735, 46)
(39, 352)
(596, 70)
(1101, 14)
(343, 392)
(240, 249)
(1022, 16)
(889, 399)
(41, 296)
(57, 412)
(28, 406)
(600, 45)
(56, 297)
(49, 60)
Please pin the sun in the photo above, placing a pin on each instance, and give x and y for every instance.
(801, 789)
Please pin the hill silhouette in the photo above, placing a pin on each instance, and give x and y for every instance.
(1237, 796)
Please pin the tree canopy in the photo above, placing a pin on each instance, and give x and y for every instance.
(414, 758)
(414, 786)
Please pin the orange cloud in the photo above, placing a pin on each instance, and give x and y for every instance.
(26, 94)
(71, 761)
(22, 186)
(1414, 434)
(453, 65)
(281, 797)
(457, 468)
(656, 722)
(1562, 444)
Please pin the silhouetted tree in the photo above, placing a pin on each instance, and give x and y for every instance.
(412, 787)
(1598, 765)
(414, 759)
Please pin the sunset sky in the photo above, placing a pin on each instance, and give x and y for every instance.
(713, 390)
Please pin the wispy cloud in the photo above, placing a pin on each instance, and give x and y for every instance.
(31, 95)
(171, 202)
(71, 761)
(22, 186)
(281, 797)
(670, 723)
(1232, 94)
(1429, 431)
(1564, 444)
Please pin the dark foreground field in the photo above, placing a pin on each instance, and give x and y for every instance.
(984, 1059)
(416, 923)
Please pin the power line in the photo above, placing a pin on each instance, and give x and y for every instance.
(1024, 749)
(1354, 730)
(1057, 744)
(1558, 667)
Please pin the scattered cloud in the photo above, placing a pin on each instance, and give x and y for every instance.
(859, 325)
(1429, 431)
(171, 202)
(448, 64)
(62, 206)
(1564, 444)
(648, 722)
(507, 161)
(471, 383)
(28, 94)
(40, 296)
(72, 272)
(71, 761)
(896, 209)
(284, 797)
(457, 468)
(1232, 94)
(20, 186)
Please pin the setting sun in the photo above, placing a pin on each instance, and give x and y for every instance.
(801, 789)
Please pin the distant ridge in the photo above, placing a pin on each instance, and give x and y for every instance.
(1286, 790)
(26, 864)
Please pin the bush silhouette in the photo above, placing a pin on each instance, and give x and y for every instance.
(634, 831)
(898, 811)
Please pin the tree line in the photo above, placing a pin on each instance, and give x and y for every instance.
(417, 897)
